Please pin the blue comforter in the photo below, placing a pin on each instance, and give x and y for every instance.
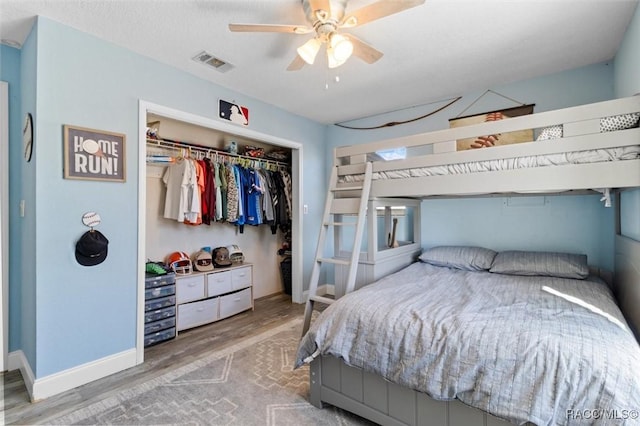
(540, 349)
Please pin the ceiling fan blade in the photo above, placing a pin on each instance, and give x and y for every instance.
(320, 5)
(296, 64)
(268, 28)
(364, 51)
(377, 10)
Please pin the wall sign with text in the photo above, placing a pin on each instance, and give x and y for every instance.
(94, 154)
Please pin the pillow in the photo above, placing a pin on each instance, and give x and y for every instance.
(460, 257)
(551, 132)
(619, 122)
(562, 265)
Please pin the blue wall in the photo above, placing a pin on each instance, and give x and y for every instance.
(627, 83)
(84, 314)
(627, 61)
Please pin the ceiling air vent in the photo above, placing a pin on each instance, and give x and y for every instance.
(211, 61)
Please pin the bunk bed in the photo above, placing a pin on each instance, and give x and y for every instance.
(577, 150)
(578, 154)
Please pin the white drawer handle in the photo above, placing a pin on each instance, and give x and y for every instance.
(192, 284)
(200, 309)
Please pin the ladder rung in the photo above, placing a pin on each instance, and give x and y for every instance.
(334, 261)
(348, 188)
(322, 299)
(345, 206)
(340, 223)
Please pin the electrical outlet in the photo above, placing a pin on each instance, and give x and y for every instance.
(305, 209)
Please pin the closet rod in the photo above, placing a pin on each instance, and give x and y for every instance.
(163, 143)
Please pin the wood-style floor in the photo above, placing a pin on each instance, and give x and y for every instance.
(269, 312)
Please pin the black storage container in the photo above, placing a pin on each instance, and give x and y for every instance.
(285, 269)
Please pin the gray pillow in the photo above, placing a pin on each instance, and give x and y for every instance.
(467, 258)
(562, 265)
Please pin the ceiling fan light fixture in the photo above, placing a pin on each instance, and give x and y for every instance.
(309, 50)
(339, 49)
(332, 60)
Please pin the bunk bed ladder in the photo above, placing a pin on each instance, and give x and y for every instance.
(340, 200)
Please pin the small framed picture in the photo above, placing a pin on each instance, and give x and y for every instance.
(94, 154)
(493, 140)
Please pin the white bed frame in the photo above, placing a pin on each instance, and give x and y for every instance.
(581, 126)
(374, 398)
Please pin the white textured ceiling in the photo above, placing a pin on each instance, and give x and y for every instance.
(437, 50)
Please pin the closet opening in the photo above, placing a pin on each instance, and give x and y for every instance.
(266, 249)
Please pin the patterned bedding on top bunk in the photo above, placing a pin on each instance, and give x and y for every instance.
(521, 347)
(575, 157)
(607, 124)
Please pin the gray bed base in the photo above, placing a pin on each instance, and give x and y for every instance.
(376, 399)
(383, 402)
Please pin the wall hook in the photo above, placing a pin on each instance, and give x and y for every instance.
(91, 219)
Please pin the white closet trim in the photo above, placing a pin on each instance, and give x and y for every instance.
(4, 223)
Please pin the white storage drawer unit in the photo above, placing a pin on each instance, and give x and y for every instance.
(219, 283)
(190, 288)
(241, 277)
(197, 313)
(206, 297)
(234, 303)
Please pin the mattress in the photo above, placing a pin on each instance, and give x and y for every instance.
(502, 343)
(565, 158)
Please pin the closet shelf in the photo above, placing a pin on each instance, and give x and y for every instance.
(205, 151)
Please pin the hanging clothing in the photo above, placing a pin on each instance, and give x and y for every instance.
(232, 194)
(181, 200)
(281, 220)
(209, 193)
(240, 184)
(194, 215)
(253, 191)
(217, 182)
(288, 187)
(266, 201)
(223, 190)
(208, 190)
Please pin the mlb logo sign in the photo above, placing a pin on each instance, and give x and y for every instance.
(232, 112)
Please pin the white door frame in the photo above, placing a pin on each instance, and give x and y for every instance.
(4, 223)
(227, 127)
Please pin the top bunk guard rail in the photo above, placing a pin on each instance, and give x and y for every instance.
(581, 132)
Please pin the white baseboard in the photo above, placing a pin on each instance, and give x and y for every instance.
(73, 377)
(18, 361)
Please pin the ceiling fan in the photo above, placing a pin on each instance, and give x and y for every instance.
(326, 17)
